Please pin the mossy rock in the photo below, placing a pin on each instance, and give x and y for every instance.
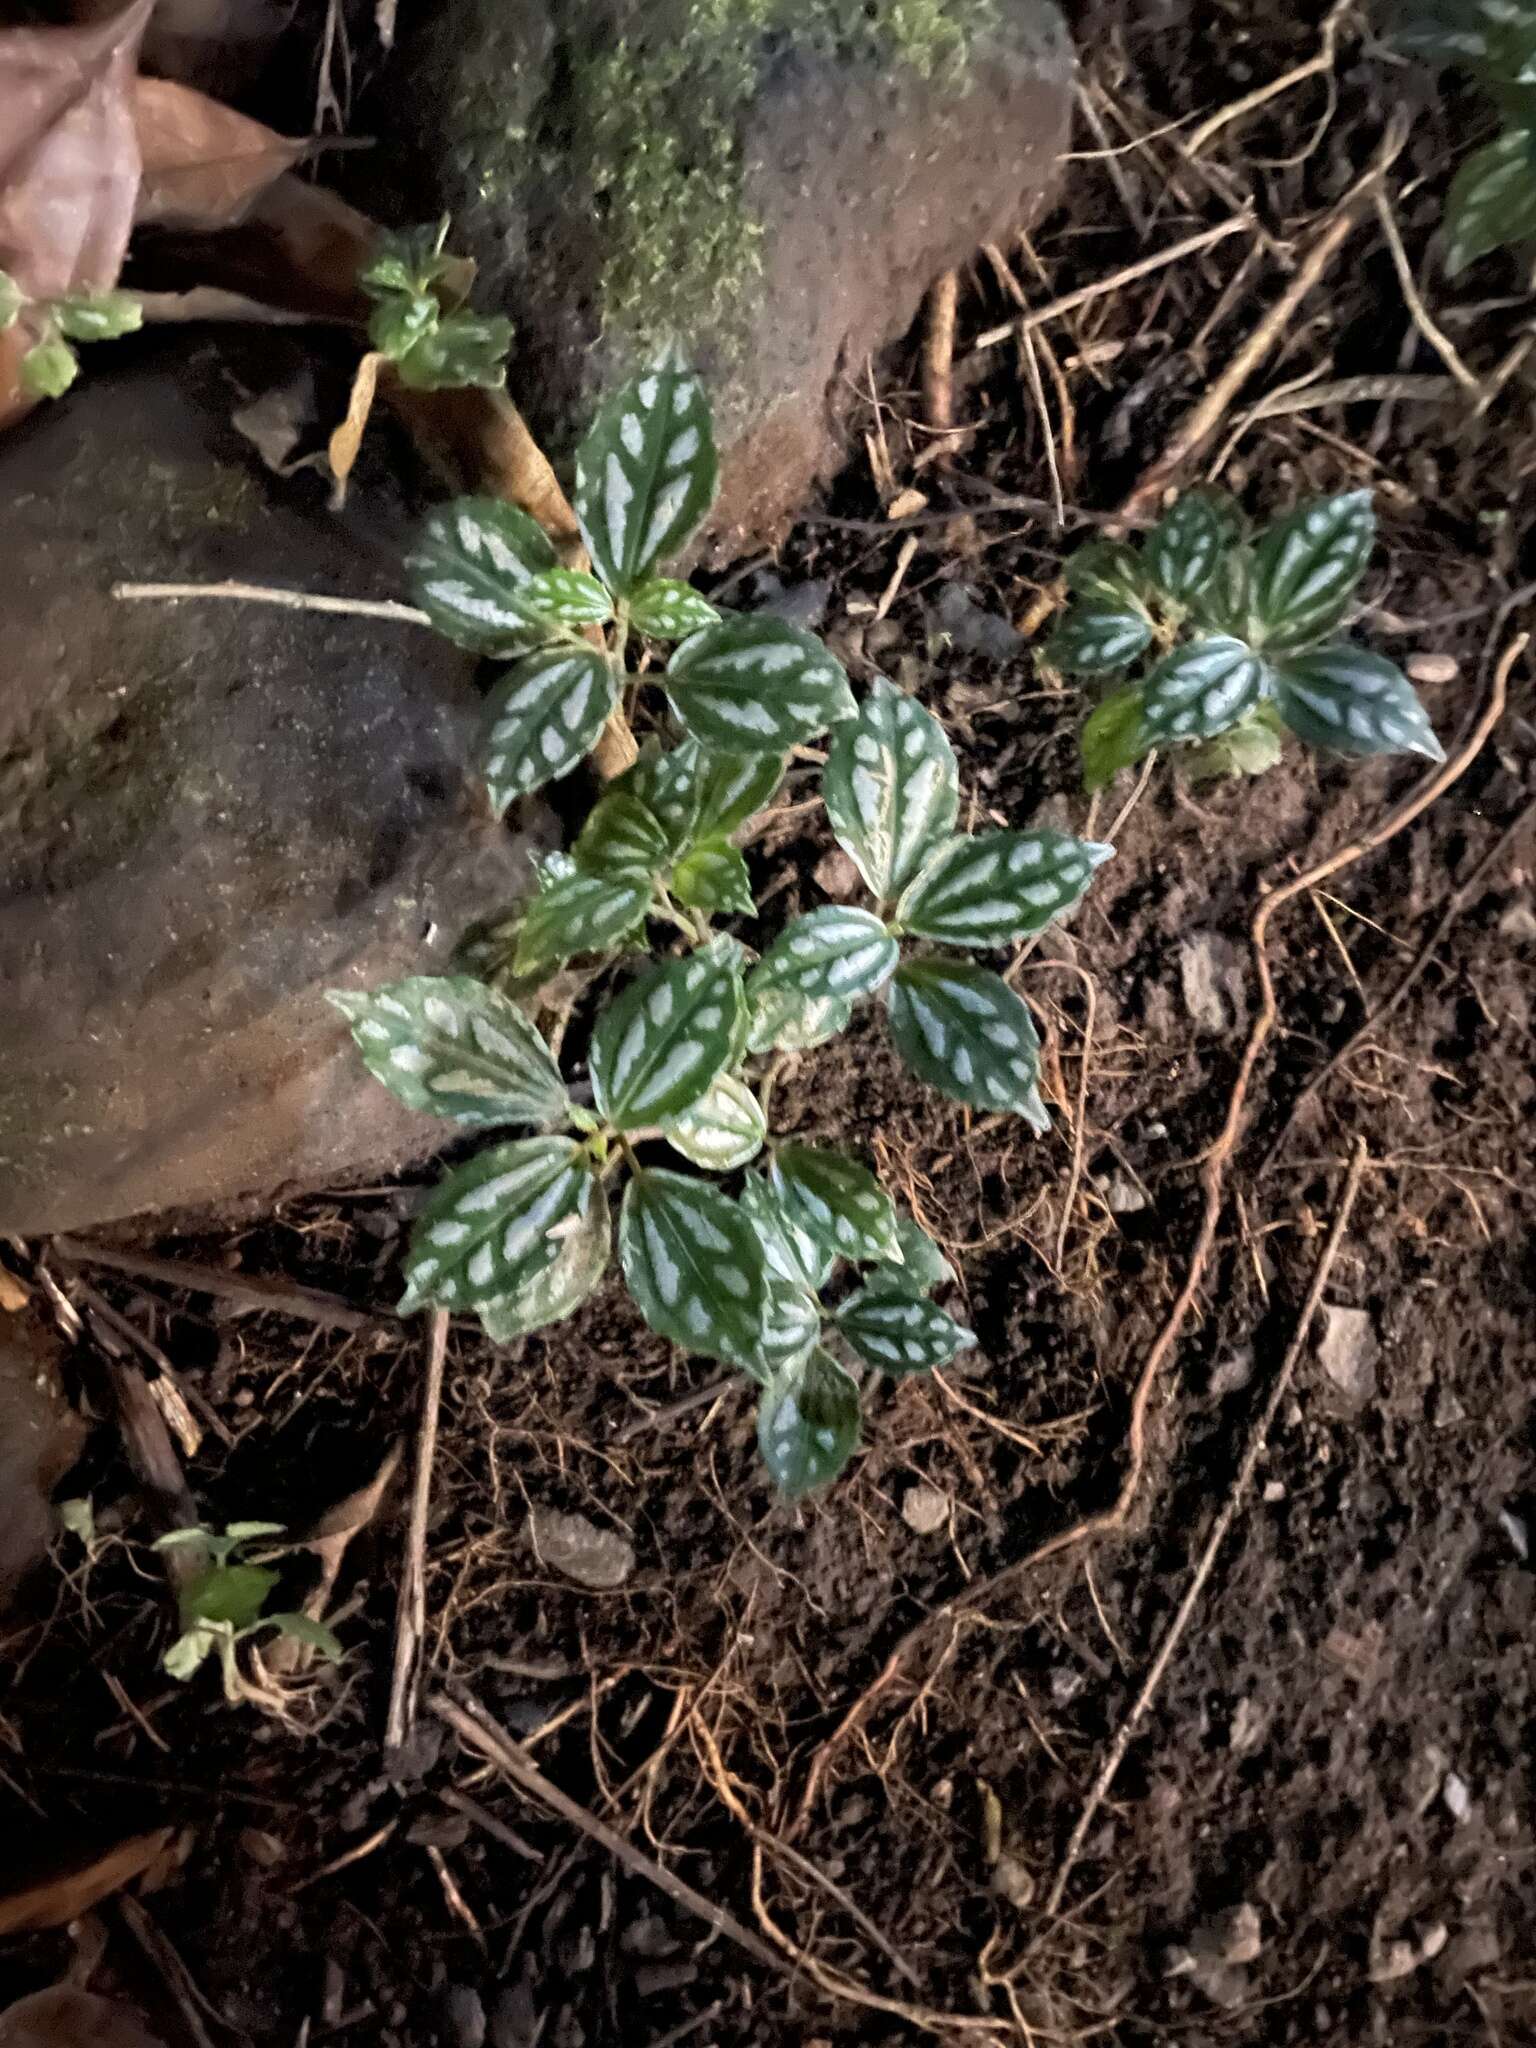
(773, 185)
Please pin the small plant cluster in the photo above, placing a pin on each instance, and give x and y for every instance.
(420, 322)
(1238, 634)
(683, 1055)
(220, 1604)
(1492, 200)
(50, 364)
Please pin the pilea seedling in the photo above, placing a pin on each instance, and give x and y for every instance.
(1235, 640)
(220, 1604)
(684, 1054)
(50, 364)
(1492, 201)
(420, 321)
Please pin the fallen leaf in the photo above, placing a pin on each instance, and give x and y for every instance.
(66, 2017)
(276, 421)
(40, 1438)
(328, 1538)
(348, 437)
(63, 1896)
(13, 1296)
(204, 165)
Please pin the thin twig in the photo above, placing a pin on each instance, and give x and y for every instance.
(1257, 1438)
(939, 352)
(1438, 340)
(475, 1727)
(173, 1972)
(1101, 287)
(411, 1609)
(497, 1828)
(658, 1418)
(307, 1304)
(289, 600)
(1263, 94)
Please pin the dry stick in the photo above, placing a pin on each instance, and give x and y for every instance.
(658, 1418)
(1101, 287)
(1262, 94)
(1438, 340)
(307, 1304)
(411, 1609)
(1455, 903)
(492, 1824)
(475, 1727)
(1257, 1438)
(939, 352)
(1213, 1181)
(289, 600)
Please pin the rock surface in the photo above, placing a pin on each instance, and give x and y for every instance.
(209, 814)
(776, 185)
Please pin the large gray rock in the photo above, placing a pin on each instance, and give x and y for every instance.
(775, 183)
(209, 814)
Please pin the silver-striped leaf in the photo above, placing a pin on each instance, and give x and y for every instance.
(661, 1042)
(545, 716)
(834, 951)
(836, 1201)
(923, 1267)
(1183, 551)
(901, 1333)
(1201, 689)
(1094, 639)
(778, 1020)
(713, 876)
(576, 913)
(1492, 200)
(451, 1045)
(473, 560)
(724, 1129)
(561, 1288)
(963, 1030)
(1305, 569)
(792, 1253)
(1355, 702)
(693, 1264)
(664, 609)
(646, 474)
(671, 786)
(756, 686)
(567, 597)
(808, 1423)
(492, 1226)
(995, 887)
(891, 787)
(735, 787)
(622, 837)
(1107, 572)
(791, 1329)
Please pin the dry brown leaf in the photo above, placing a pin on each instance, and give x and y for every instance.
(64, 2016)
(348, 437)
(56, 1900)
(328, 1539)
(204, 165)
(40, 1438)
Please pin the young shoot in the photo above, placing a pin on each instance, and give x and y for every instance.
(220, 1604)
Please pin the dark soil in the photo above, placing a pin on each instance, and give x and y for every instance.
(1343, 1741)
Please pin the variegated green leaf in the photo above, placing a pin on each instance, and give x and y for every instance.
(833, 951)
(645, 474)
(98, 316)
(1108, 573)
(995, 887)
(48, 368)
(1226, 603)
(779, 1020)
(622, 837)
(713, 876)
(664, 609)
(791, 1329)
(1112, 739)
(671, 786)
(577, 913)
(724, 1128)
(1094, 639)
(471, 564)
(808, 1423)
(964, 1031)
(662, 1041)
(735, 787)
(1201, 689)
(756, 686)
(561, 1288)
(494, 1225)
(1492, 200)
(1305, 569)
(545, 717)
(567, 597)
(692, 1263)
(1355, 702)
(453, 1046)
(836, 1201)
(1183, 551)
(891, 787)
(901, 1333)
(797, 1258)
(461, 350)
(923, 1267)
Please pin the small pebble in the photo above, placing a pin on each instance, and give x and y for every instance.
(925, 1510)
(1458, 1799)
(1433, 668)
(836, 876)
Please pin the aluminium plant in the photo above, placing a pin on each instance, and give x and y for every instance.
(684, 1053)
(221, 1603)
(1236, 639)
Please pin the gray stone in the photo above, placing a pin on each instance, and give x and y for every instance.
(925, 1510)
(1211, 982)
(971, 629)
(1346, 1350)
(599, 1558)
(210, 813)
(776, 187)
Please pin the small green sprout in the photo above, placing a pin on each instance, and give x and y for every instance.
(419, 320)
(220, 1604)
(50, 365)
